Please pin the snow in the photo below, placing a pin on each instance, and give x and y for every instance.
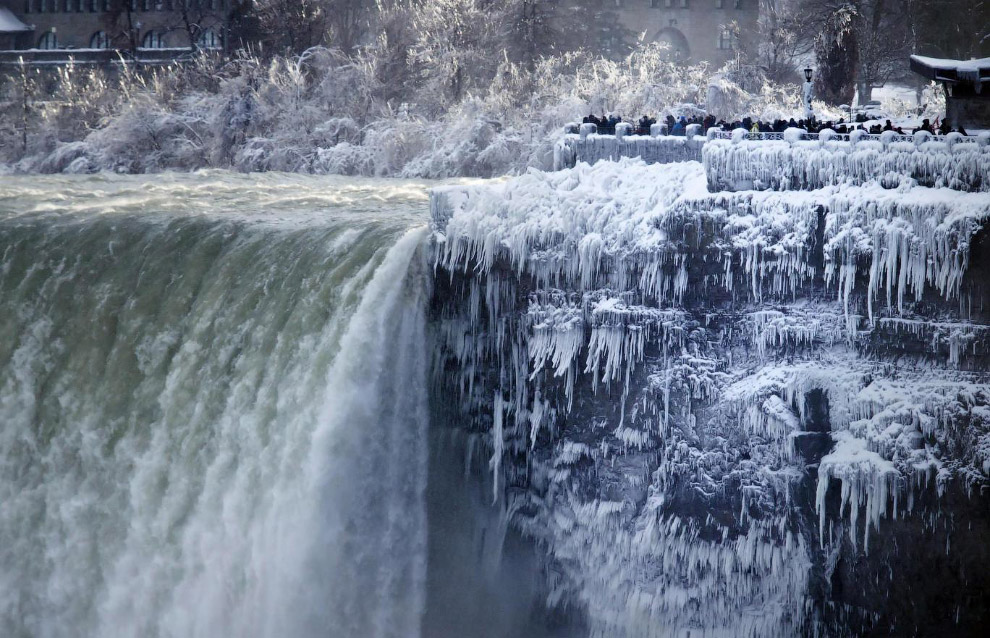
(945, 64)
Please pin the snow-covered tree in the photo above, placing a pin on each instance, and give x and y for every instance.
(837, 56)
(776, 44)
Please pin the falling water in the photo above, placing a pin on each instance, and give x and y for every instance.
(212, 407)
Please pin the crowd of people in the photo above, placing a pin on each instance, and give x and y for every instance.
(678, 126)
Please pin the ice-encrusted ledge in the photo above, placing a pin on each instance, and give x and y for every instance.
(693, 399)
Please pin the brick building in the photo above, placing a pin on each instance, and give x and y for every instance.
(89, 26)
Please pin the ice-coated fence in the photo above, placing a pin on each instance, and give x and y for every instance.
(797, 160)
(793, 159)
(582, 143)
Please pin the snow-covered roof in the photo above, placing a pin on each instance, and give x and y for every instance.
(10, 24)
(968, 71)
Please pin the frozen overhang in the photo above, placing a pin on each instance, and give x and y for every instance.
(973, 73)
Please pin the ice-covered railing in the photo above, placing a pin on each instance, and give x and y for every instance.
(796, 160)
(583, 143)
(885, 138)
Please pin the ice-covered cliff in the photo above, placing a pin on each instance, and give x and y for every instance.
(739, 414)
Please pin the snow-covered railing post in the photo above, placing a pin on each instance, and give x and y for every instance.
(622, 129)
(572, 128)
(658, 130)
(887, 138)
(857, 136)
(712, 134)
(794, 134)
(587, 129)
(825, 136)
(921, 137)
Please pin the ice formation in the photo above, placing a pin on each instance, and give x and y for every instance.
(660, 149)
(953, 162)
(701, 397)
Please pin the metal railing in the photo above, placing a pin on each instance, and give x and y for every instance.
(885, 138)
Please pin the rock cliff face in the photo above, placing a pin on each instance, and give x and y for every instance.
(738, 414)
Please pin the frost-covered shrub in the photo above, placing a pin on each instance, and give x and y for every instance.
(370, 113)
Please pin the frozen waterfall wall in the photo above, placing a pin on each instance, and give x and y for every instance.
(733, 414)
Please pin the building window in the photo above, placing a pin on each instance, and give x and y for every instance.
(99, 40)
(725, 38)
(153, 40)
(48, 41)
(208, 39)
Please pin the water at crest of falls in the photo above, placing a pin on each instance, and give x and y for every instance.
(212, 406)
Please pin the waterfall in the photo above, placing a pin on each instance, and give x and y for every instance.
(213, 408)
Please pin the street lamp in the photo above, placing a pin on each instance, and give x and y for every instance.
(809, 112)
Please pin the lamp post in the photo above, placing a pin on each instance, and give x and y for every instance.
(809, 112)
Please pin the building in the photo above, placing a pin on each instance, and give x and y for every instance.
(52, 29)
(696, 30)
(967, 89)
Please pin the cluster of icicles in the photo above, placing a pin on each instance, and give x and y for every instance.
(813, 165)
(663, 149)
(567, 281)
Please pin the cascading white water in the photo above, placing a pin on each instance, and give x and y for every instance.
(212, 407)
